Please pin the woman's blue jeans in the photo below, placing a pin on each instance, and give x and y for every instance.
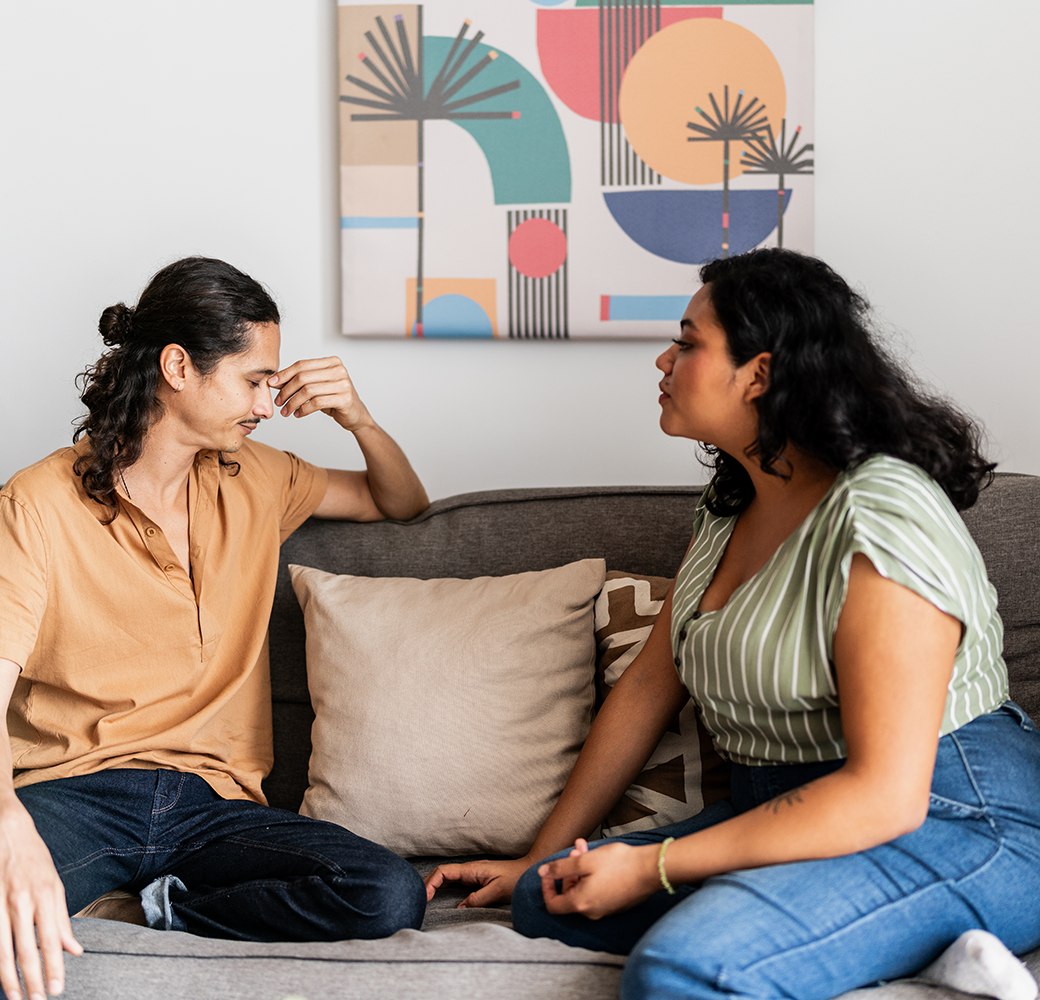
(810, 930)
(247, 871)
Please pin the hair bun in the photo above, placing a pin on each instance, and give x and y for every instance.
(116, 324)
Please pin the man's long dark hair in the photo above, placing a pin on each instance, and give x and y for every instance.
(205, 306)
(833, 391)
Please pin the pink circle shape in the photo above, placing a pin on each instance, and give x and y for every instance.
(537, 248)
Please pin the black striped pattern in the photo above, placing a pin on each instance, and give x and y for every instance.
(537, 306)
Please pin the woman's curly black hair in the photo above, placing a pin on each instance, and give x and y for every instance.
(205, 306)
(833, 390)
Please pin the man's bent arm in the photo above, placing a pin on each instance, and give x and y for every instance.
(389, 487)
(32, 897)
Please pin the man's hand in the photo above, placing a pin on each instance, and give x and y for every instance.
(496, 878)
(320, 384)
(389, 486)
(32, 909)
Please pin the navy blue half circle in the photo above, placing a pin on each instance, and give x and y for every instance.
(686, 226)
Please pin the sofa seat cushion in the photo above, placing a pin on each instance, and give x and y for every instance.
(480, 961)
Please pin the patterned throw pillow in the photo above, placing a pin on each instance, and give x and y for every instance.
(685, 774)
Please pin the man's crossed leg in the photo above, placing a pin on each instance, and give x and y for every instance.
(241, 870)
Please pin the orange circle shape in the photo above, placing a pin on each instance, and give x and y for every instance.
(674, 73)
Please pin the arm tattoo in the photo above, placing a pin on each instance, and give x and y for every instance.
(788, 799)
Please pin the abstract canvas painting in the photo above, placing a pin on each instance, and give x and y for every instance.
(544, 169)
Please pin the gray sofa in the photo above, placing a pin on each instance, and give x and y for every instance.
(475, 953)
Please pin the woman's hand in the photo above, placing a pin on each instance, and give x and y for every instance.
(624, 734)
(496, 878)
(597, 883)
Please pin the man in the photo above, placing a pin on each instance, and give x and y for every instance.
(137, 571)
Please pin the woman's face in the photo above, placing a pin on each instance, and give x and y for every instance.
(704, 395)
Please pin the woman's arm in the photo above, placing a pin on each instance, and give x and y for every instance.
(628, 727)
(893, 655)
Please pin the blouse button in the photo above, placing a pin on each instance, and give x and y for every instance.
(149, 532)
(682, 635)
(696, 615)
(678, 662)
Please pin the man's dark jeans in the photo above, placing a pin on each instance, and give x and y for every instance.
(251, 872)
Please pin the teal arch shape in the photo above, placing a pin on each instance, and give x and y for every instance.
(528, 155)
(454, 315)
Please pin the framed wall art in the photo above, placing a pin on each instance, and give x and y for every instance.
(543, 169)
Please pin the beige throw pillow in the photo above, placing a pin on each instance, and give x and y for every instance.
(685, 774)
(449, 713)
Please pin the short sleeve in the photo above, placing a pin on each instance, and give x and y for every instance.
(23, 579)
(303, 490)
(906, 526)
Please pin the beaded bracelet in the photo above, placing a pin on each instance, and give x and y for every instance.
(660, 866)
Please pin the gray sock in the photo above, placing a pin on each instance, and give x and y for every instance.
(155, 900)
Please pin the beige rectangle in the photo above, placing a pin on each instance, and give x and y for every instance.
(379, 190)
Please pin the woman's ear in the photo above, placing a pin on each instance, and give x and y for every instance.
(758, 376)
(174, 364)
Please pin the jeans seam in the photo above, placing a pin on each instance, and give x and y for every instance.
(882, 871)
(175, 797)
(975, 812)
(907, 897)
(974, 784)
(229, 890)
(288, 849)
(150, 850)
(115, 852)
(156, 812)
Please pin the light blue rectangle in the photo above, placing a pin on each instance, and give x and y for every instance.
(648, 307)
(378, 222)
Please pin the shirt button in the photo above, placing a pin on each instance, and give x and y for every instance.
(682, 635)
(678, 662)
(695, 615)
(149, 532)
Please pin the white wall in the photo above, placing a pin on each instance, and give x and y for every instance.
(134, 132)
(927, 193)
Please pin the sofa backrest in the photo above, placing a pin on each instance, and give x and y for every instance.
(1005, 524)
(636, 529)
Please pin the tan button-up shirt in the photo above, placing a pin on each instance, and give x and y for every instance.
(127, 660)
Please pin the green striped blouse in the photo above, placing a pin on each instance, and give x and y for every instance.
(762, 667)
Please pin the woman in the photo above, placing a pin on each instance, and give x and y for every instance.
(831, 617)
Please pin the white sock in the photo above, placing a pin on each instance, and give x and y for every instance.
(978, 962)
